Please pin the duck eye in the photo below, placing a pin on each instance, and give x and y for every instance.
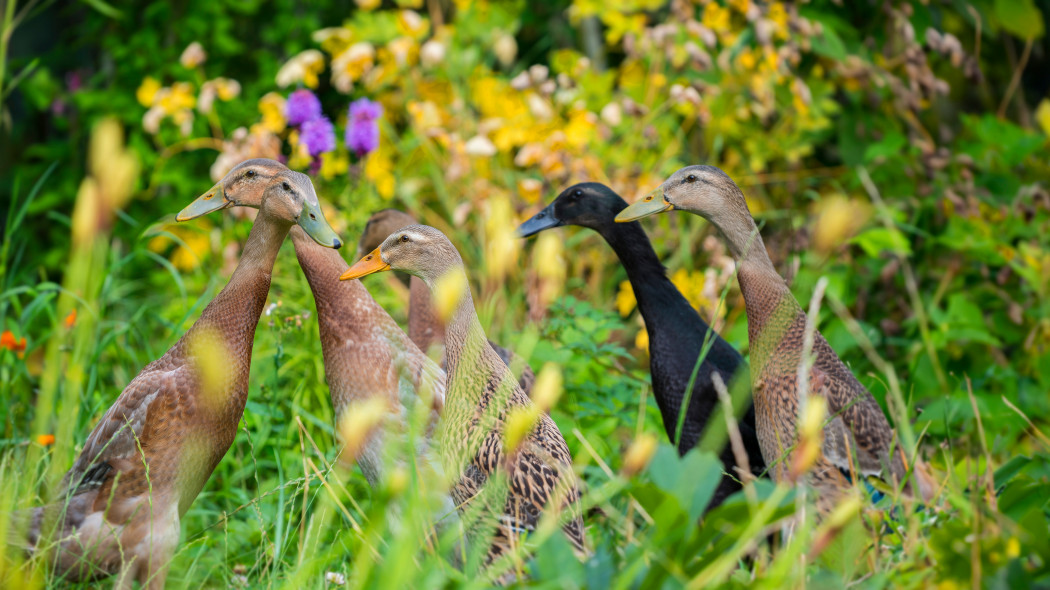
(250, 173)
(404, 239)
(286, 186)
(690, 178)
(577, 193)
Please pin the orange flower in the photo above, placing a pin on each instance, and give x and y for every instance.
(45, 439)
(71, 318)
(17, 346)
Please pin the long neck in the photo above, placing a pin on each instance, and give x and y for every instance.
(771, 308)
(465, 347)
(338, 302)
(656, 294)
(424, 327)
(234, 313)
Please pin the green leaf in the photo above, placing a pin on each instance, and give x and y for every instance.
(1020, 17)
(691, 479)
(880, 239)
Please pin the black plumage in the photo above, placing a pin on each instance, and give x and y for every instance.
(676, 330)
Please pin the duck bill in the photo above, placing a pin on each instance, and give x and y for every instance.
(316, 226)
(543, 220)
(213, 200)
(651, 204)
(369, 264)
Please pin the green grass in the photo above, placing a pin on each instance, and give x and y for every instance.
(281, 511)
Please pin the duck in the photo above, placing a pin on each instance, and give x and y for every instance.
(119, 506)
(366, 354)
(858, 439)
(424, 326)
(676, 330)
(480, 395)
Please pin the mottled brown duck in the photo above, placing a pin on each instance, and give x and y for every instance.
(119, 506)
(481, 393)
(858, 439)
(425, 328)
(366, 354)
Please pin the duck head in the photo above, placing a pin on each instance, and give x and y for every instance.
(588, 204)
(380, 225)
(419, 250)
(703, 190)
(248, 185)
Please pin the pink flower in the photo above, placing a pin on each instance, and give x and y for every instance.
(302, 106)
(318, 135)
(362, 126)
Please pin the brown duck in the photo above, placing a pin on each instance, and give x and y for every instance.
(366, 354)
(424, 326)
(858, 438)
(481, 393)
(119, 506)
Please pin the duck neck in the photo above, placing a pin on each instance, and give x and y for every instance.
(345, 303)
(234, 313)
(424, 327)
(465, 346)
(654, 292)
(771, 308)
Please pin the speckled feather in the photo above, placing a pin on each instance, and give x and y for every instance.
(425, 328)
(481, 392)
(366, 354)
(776, 329)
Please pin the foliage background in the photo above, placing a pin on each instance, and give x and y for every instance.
(896, 148)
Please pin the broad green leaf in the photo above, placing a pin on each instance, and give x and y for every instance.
(1021, 18)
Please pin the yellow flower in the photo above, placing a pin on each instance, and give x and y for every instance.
(501, 246)
(379, 170)
(179, 97)
(410, 23)
(404, 51)
(579, 131)
(147, 91)
(625, 300)
(186, 255)
(715, 18)
(619, 24)
(779, 16)
(746, 59)
(333, 40)
(334, 164)
(641, 340)
(740, 5)
(1042, 115)
(368, 4)
(691, 285)
(529, 189)
(303, 67)
(350, 65)
(300, 157)
(271, 106)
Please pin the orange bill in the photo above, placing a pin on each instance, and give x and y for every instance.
(371, 263)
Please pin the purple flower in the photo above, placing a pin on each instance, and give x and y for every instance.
(362, 128)
(302, 106)
(318, 135)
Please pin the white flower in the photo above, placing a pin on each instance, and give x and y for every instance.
(432, 53)
(193, 55)
(612, 114)
(506, 49)
(479, 145)
(151, 120)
